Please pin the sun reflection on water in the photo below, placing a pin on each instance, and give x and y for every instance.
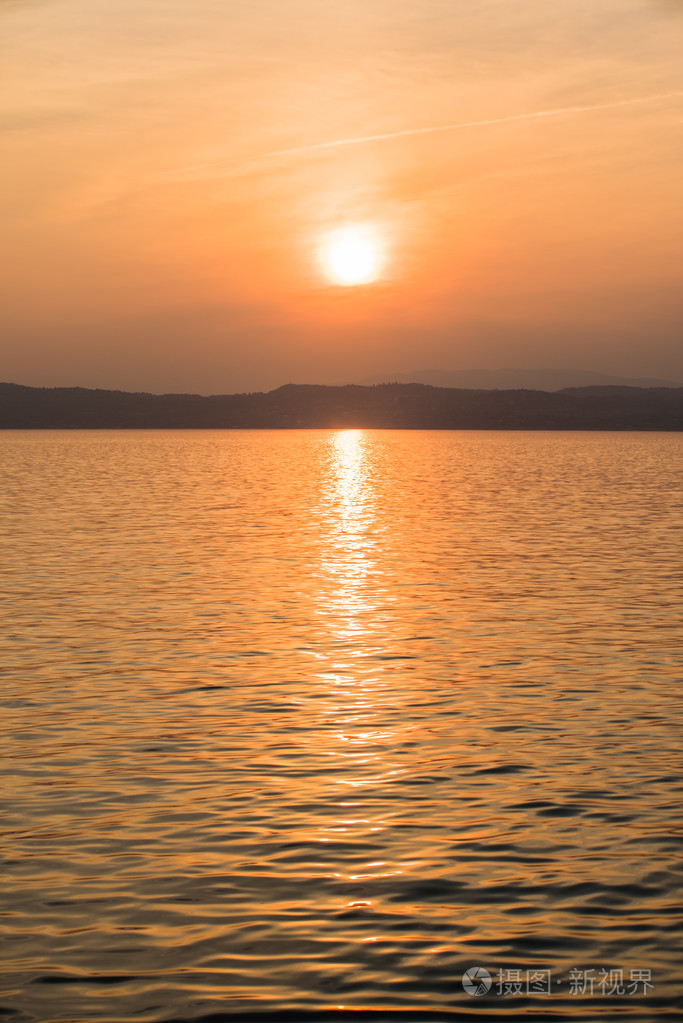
(348, 595)
(357, 730)
(347, 558)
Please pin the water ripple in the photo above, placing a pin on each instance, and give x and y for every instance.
(304, 725)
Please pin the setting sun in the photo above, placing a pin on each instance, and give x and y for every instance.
(351, 255)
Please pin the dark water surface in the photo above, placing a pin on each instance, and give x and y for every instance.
(305, 720)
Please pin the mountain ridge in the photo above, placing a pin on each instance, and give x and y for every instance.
(317, 406)
(515, 378)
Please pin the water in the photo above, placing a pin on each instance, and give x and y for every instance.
(298, 720)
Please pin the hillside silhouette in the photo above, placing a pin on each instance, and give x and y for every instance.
(389, 406)
(517, 379)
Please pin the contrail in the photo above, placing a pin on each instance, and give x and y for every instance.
(360, 140)
(432, 130)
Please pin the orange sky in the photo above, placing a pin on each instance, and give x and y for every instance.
(166, 180)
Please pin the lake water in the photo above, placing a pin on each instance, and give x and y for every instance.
(300, 720)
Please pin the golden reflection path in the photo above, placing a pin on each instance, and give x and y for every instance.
(357, 728)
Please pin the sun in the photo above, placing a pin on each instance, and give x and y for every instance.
(351, 255)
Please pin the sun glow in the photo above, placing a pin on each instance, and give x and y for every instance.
(351, 255)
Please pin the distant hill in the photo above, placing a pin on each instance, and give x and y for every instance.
(505, 379)
(391, 406)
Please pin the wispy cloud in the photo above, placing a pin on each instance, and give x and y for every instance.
(359, 140)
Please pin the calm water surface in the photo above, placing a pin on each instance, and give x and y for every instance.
(300, 720)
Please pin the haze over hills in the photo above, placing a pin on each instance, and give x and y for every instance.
(310, 406)
(513, 379)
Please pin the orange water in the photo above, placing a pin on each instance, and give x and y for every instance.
(305, 719)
